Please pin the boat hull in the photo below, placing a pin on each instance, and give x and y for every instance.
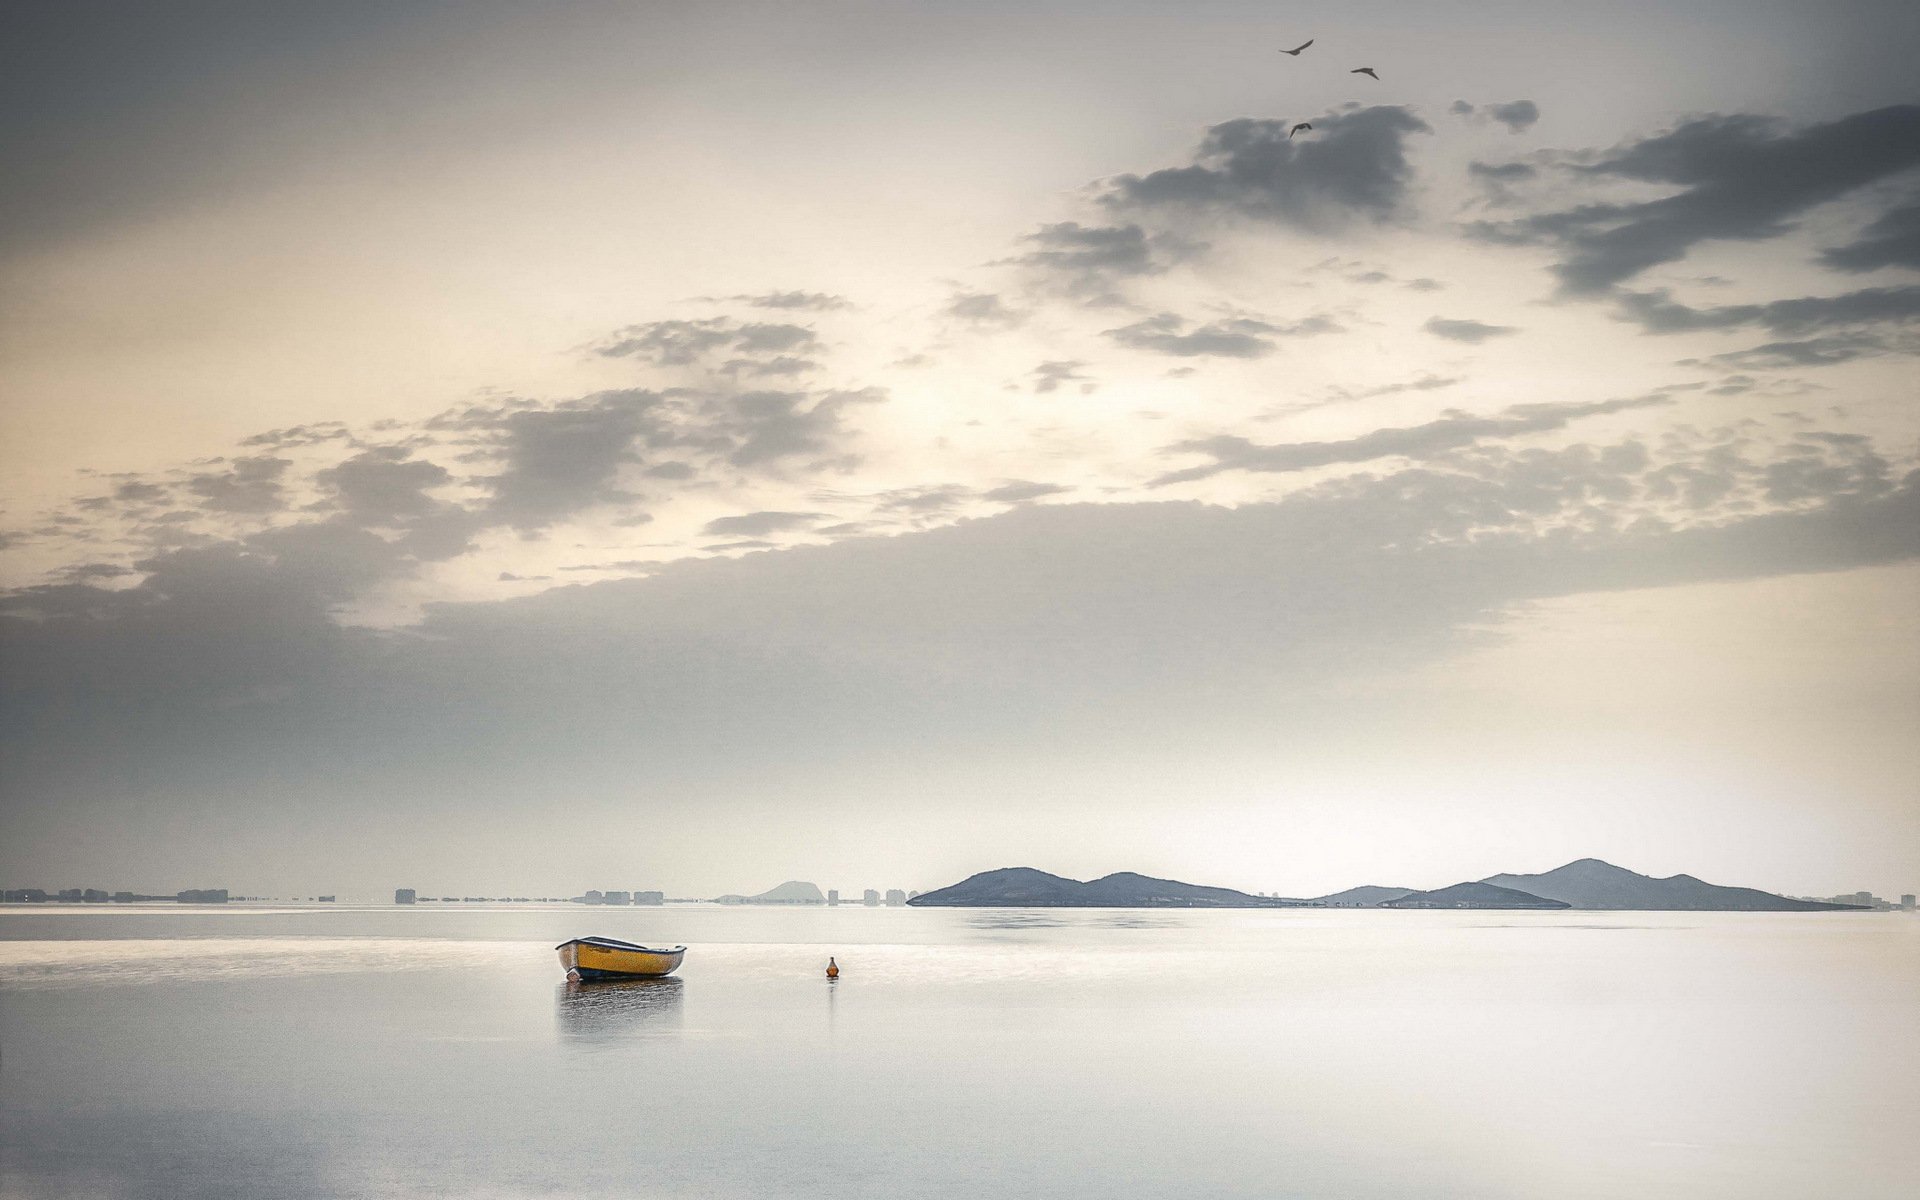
(589, 960)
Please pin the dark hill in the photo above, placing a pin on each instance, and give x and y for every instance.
(1367, 895)
(1591, 883)
(1473, 895)
(1024, 887)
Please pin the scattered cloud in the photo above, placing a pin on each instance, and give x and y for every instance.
(1090, 262)
(985, 308)
(1658, 312)
(248, 485)
(1353, 165)
(1470, 332)
(1051, 376)
(1516, 115)
(1893, 240)
(760, 524)
(1228, 337)
(805, 301)
(1808, 352)
(1451, 432)
(1739, 178)
(685, 342)
(1021, 491)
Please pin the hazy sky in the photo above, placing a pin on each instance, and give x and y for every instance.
(522, 448)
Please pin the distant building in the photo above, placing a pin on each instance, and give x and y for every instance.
(617, 898)
(202, 896)
(895, 897)
(833, 896)
(649, 897)
(870, 898)
(1907, 901)
(24, 896)
(405, 896)
(326, 899)
(593, 897)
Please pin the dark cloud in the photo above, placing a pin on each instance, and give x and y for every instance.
(249, 485)
(1658, 312)
(766, 428)
(138, 492)
(1019, 492)
(1228, 337)
(1051, 376)
(1231, 453)
(985, 308)
(759, 524)
(1516, 115)
(1353, 164)
(1826, 351)
(807, 301)
(1092, 262)
(384, 484)
(999, 631)
(300, 435)
(87, 572)
(1511, 172)
(1470, 332)
(1741, 178)
(921, 501)
(684, 342)
(559, 460)
(1891, 241)
(761, 368)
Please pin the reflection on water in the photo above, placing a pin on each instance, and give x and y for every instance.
(616, 1008)
(1003, 919)
(1279, 1054)
(1120, 918)
(1013, 918)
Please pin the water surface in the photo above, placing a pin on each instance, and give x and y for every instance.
(338, 1051)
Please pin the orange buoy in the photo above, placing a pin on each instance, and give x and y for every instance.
(833, 968)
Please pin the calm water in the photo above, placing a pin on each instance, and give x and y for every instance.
(380, 1052)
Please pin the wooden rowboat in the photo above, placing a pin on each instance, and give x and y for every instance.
(591, 958)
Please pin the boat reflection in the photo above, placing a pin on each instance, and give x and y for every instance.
(619, 1008)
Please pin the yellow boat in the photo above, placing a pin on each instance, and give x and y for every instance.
(590, 958)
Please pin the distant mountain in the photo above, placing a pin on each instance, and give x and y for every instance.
(1024, 887)
(1590, 883)
(1473, 895)
(1367, 895)
(791, 892)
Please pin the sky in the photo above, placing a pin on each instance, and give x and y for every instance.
(512, 449)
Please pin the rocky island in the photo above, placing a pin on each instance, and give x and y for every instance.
(1025, 887)
(1591, 883)
(1472, 895)
(1586, 883)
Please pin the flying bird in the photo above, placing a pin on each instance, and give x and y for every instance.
(1297, 49)
(1363, 71)
(1298, 128)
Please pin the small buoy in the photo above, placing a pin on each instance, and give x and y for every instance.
(833, 968)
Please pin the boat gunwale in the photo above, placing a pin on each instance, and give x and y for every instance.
(617, 944)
